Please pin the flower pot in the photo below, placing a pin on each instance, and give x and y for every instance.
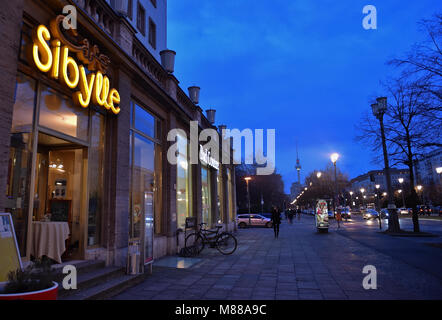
(46, 294)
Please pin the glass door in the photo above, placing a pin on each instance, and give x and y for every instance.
(59, 192)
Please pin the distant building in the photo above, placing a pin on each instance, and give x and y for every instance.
(425, 168)
(370, 179)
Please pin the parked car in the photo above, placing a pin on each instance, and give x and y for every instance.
(255, 220)
(267, 215)
(404, 211)
(424, 210)
(370, 214)
(384, 213)
(345, 213)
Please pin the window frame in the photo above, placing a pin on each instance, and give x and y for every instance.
(152, 38)
(141, 20)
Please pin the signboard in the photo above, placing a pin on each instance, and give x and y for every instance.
(206, 158)
(90, 82)
(321, 214)
(10, 255)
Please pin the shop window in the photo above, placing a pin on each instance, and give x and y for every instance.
(144, 121)
(206, 198)
(230, 195)
(220, 197)
(146, 180)
(95, 179)
(184, 183)
(20, 158)
(57, 112)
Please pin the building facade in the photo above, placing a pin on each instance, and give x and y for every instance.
(428, 178)
(85, 119)
(369, 180)
(425, 168)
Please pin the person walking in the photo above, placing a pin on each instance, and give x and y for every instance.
(291, 214)
(276, 220)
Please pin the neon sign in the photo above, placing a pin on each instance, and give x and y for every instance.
(55, 60)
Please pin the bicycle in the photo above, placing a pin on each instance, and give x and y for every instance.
(225, 242)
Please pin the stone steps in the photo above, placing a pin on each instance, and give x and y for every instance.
(95, 281)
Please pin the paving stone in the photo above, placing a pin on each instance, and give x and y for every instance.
(302, 265)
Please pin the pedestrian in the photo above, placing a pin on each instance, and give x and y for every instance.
(276, 220)
(290, 215)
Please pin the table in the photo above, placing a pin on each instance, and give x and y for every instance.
(48, 239)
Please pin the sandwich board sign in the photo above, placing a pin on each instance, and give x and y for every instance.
(9, 253)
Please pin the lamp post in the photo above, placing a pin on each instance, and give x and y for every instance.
(377, 204)
(401, 180)
(419, 189)
(351, 199)
(363, 197)
(379, 110)
(334, 157)
(248, 194)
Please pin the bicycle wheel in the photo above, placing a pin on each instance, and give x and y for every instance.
(195, 241)
(226, 243)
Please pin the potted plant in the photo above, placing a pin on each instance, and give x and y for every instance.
(33, 283)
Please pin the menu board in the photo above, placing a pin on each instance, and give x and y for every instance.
(9, 253)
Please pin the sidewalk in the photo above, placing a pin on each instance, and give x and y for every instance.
(301, 264)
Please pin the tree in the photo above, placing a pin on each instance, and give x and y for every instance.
(410, 130)
(324, 186)
(269, 188)
(422, 65)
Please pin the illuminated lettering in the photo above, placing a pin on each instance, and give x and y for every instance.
(83, 97)
(69, 69)
(56, 55)
(41, 48)
(112, 99)
(101, 89)
(56, 59)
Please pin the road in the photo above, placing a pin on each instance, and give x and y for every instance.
(303, 264)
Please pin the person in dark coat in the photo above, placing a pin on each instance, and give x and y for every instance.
(291, 214)
(276, 220)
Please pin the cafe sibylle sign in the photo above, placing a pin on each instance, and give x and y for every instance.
(50, 53)
(206, 158)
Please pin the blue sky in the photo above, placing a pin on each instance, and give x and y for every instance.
(305, 68)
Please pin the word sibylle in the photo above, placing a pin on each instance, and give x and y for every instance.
(55, 59)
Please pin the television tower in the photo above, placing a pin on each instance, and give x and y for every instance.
(298, 165)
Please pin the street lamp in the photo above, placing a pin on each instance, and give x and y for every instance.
(334, 157)
(248, 194)
(379, 110)
(439, 172)
(401, 180)
(377, 186)
(419, 189)
(319, 174)
(363, 197)
(351, 198)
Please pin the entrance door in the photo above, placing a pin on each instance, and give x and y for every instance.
(59, 191)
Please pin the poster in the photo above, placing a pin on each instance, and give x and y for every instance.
(10, 255)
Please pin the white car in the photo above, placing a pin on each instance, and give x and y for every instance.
(370, 214)
(257, 220)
